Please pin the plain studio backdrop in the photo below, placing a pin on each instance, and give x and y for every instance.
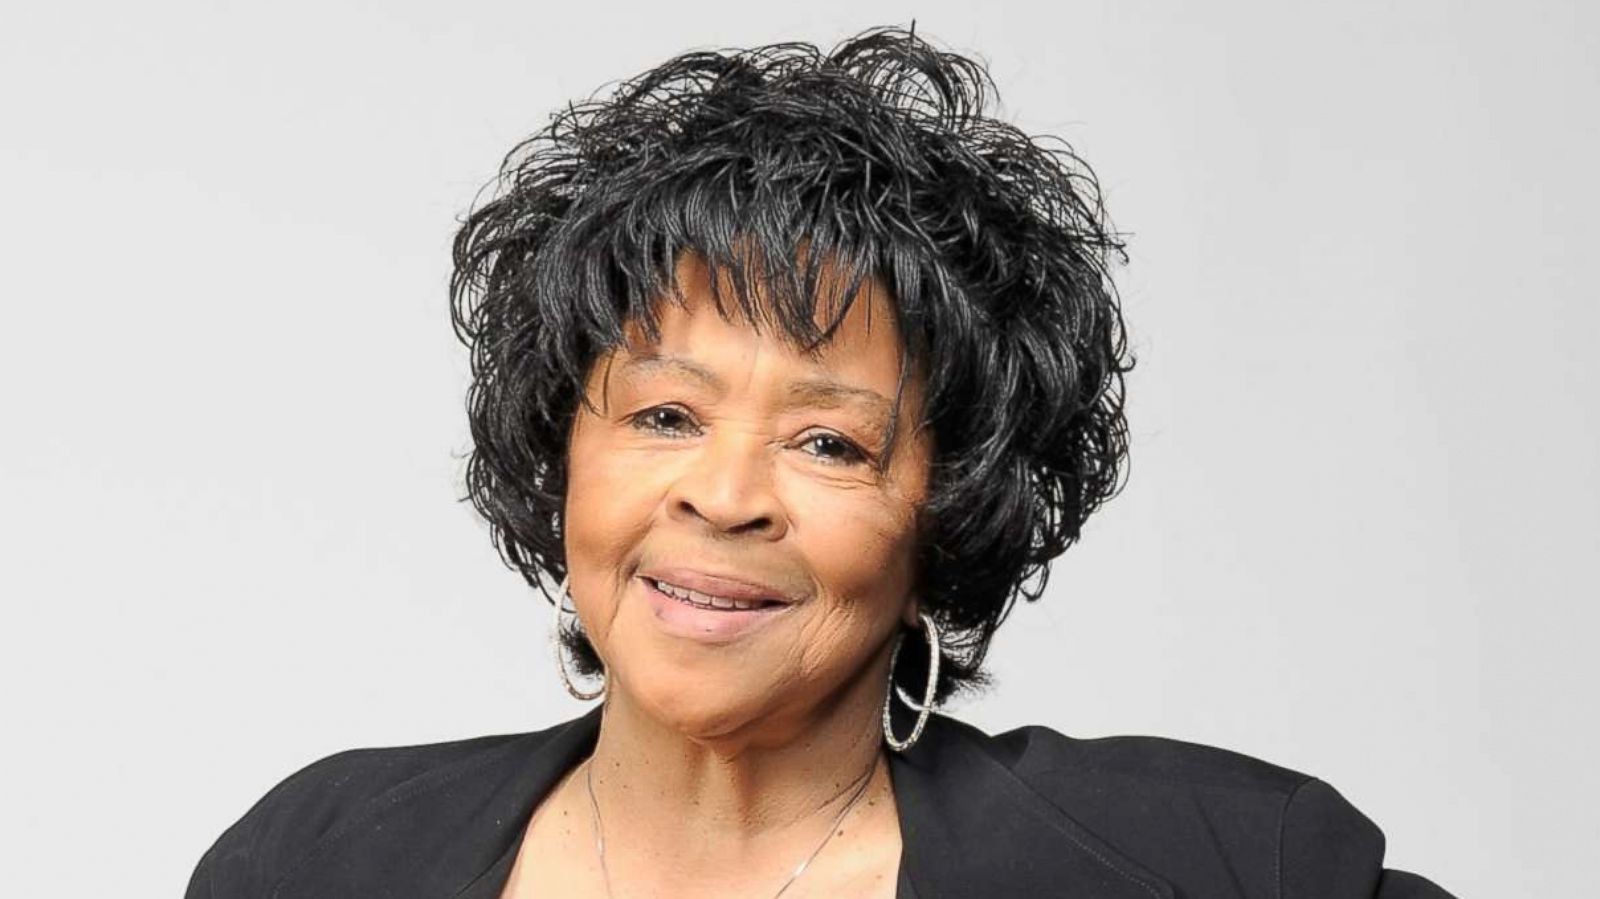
(1358, 539)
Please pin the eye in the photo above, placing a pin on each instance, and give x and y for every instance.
(673, 422)
(665, 420)
(839, 451)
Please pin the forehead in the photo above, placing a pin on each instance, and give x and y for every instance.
(865, 343)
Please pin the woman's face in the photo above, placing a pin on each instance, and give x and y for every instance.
(724, 453)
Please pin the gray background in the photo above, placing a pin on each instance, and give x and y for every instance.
(1359, 538)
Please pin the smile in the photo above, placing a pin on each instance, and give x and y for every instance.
(709, 602)
(706, 619)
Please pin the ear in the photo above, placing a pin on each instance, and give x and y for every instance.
(909, 614)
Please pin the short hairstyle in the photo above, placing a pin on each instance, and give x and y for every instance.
(878, 159)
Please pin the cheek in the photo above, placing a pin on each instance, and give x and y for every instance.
(861, 534)
(860, 547)
(611, 497)
(858, 543)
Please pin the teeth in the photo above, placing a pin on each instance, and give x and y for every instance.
(705, 599)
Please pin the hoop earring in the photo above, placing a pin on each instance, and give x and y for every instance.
(931, 631)
(561, 659)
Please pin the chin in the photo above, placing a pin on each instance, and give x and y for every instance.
(691, 709)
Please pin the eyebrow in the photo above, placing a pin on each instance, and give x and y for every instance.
(816, 392)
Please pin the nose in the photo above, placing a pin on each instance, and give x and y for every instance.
(729, 489)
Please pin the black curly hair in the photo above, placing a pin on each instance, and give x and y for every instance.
(878, 159)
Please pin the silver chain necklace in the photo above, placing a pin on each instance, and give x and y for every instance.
(600, 840)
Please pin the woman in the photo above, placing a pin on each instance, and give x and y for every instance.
(793, 370)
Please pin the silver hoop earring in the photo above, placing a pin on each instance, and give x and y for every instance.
(931, 631)
(561, 658)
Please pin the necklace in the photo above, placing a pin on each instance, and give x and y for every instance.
(600, 840)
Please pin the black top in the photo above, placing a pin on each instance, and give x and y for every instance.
(1029, 812)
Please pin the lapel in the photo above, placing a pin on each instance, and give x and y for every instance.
(969, 826)
(450, 832)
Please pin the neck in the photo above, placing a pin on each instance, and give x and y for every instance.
(755, 800)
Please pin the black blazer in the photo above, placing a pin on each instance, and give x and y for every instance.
(1029, 812)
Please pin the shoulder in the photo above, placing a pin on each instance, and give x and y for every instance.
(1205, 817)
(1039, 751)
(318, 801)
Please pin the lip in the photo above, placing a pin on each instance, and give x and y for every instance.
(714, 626)
(727, 585)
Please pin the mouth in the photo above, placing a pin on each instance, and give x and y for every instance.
(709, 602)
